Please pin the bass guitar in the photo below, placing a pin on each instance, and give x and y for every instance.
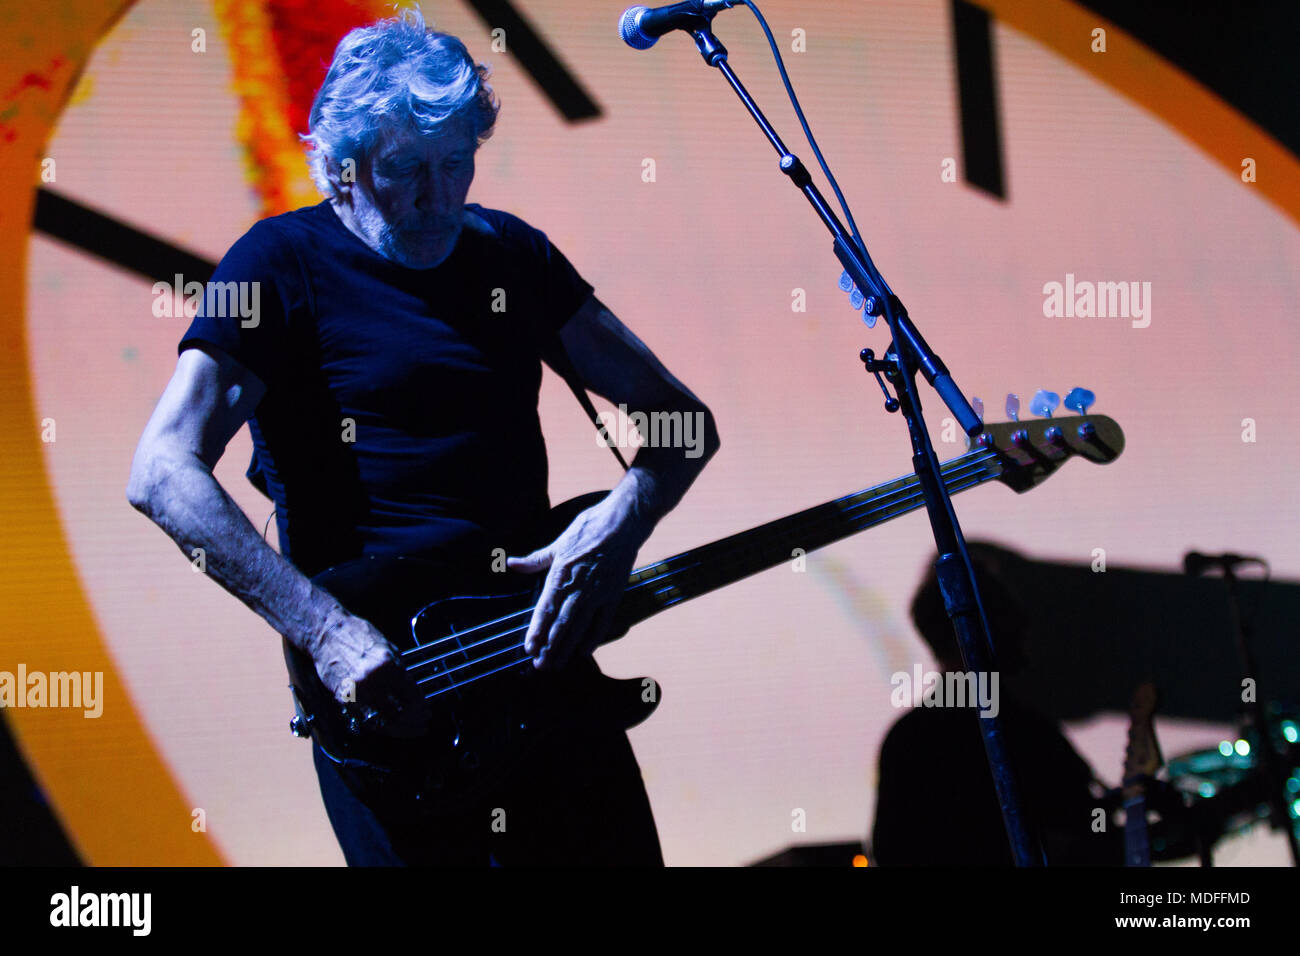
(459, 634)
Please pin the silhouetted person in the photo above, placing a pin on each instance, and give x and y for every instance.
(936, 803)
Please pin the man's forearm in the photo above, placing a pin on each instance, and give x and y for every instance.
(659, 476)
(188, 503)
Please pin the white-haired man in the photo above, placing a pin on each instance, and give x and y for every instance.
(377, 309)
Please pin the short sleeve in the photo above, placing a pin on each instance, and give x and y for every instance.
(563, 289)
(566, 290)
(244, 308)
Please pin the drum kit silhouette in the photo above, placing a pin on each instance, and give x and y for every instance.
(1204, 796)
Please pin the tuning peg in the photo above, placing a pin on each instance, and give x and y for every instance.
(846, 281)
(1044, 403)
(1013, 406)
(856, 298)
(978, 407)
(1079, 400)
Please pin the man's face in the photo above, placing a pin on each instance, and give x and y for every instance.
(411, 197)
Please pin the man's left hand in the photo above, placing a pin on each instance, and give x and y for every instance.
(588, 569)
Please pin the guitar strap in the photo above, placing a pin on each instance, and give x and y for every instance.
(553, 351)
(550, 348)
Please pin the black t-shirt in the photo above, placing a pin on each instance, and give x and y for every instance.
(400, 415)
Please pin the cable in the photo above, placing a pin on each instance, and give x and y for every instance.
(794, 100)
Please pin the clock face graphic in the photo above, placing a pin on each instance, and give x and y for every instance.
(1053, 215)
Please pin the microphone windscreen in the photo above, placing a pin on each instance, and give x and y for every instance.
(629, 28)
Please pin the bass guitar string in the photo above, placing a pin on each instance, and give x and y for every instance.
(960, 483)
(879, 504)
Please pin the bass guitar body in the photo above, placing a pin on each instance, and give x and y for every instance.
(458, 631)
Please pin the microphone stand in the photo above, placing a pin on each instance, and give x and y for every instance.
(908, 353)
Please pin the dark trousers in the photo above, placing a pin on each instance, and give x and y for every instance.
(576, 800)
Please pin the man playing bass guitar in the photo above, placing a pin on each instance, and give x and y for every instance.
(390, 379)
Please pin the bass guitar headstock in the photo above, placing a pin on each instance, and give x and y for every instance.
(1030, 451)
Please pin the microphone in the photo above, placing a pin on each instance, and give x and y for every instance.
(641, 27)
(1195, 563)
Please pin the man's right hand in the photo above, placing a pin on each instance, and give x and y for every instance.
(206, 402)
(358, 665)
